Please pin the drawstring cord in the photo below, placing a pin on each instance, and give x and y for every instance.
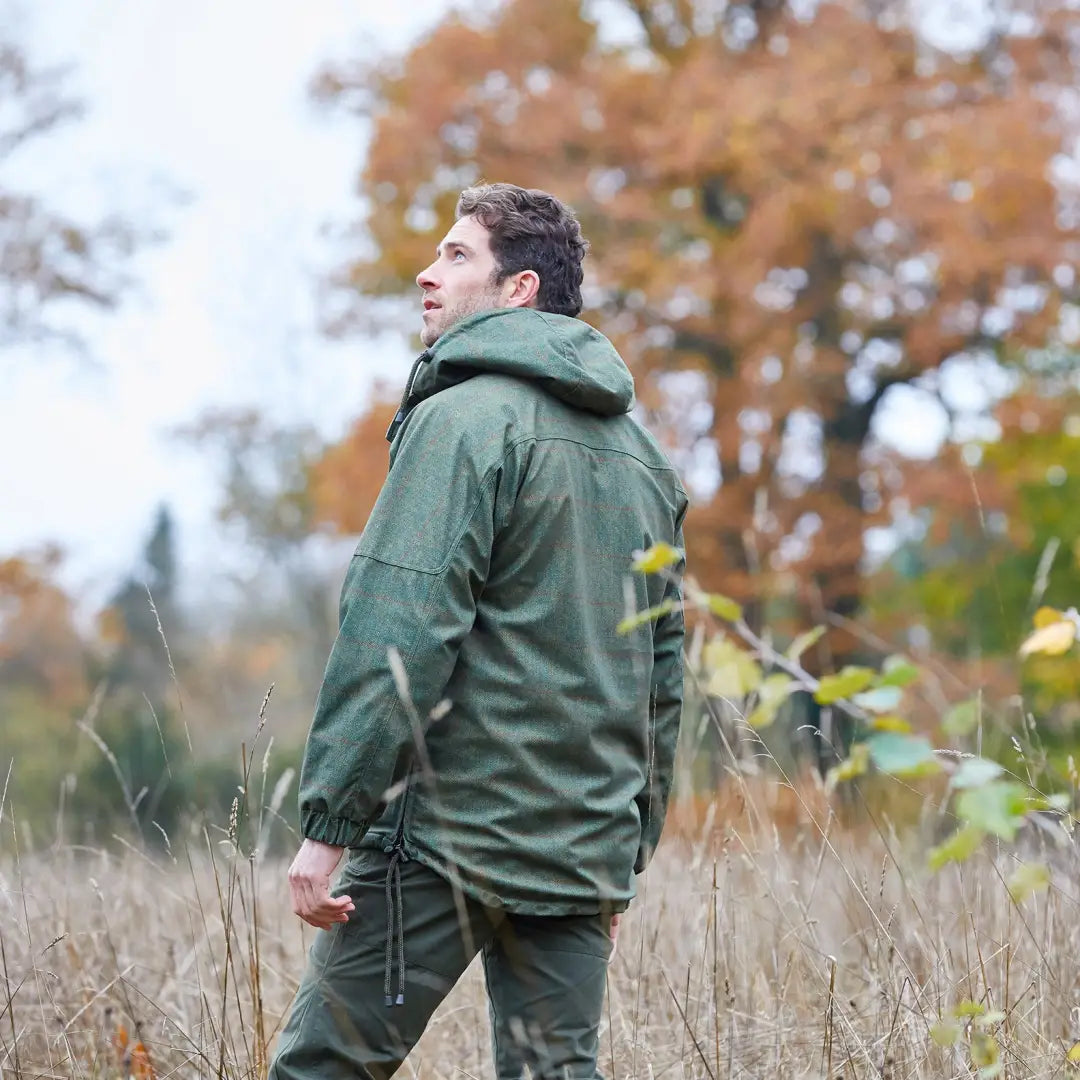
(395, 919)
(399, 418)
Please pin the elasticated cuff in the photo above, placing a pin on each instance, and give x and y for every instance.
(338, 831)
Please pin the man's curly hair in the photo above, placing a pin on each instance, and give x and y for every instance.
(531, 230)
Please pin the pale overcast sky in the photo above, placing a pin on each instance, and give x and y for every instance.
(198, 122)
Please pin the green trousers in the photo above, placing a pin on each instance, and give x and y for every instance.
(372, 983)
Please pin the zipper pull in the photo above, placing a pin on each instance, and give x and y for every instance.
(403, 408)
(392, 430)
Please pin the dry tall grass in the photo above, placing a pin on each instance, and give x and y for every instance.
(753, 950)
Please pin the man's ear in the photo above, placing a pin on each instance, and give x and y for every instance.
(524, 288)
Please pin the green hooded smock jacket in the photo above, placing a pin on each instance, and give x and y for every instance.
(531, 760)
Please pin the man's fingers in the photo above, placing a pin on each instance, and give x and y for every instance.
(309, 885)
(313, 903)
(302, 895)
(614, 931)
(336, 907)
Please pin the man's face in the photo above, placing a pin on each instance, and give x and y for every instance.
(459, 281)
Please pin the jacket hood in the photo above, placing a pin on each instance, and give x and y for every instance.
(564, 356)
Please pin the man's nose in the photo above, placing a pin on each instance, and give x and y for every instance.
(425, 279)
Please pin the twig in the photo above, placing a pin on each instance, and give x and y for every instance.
(686, 1024)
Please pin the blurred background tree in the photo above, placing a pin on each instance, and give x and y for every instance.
(839, 258)
(47, 259)
(284, 609)
(794, 214)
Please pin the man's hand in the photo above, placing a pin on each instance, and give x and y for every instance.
(309, 883)
(615, 920)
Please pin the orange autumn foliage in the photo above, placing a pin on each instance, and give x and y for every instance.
(345, 482)
(40, 646)
(798, 220)
(133, 1058)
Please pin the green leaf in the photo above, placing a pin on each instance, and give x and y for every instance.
(902, 755)
(774, 691)
(898, 671)
(985, 1054)
(632, 622)
(882, 699)
(946, 1033)
(1026, 879)
(723, 607)
(960, 846)
(975, 771)
(991, 1019)
(962, 719)
(803, 642)
(848, 682)
(998, 807)
(967, 1008)
(658, 557)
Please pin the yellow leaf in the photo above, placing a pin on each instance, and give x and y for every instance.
(632, 622)
(803, 642)
(1047, 616)
(724, 682)
(1073, 1056)
(656, 558)
(891, 723)
(852, 680)
(733, 673)
(855, 765)
(723, 607)
(772, 693)
(1052, 640)
(984, 1053)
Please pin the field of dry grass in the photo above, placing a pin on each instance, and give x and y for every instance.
(767, 941)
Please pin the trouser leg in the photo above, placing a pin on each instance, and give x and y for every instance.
(340, 1027)
(546, 980)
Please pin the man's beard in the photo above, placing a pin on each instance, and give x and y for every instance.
(485, 300)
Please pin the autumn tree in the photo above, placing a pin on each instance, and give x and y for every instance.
(346, 479)
(991, 538)
(40, 647)
(792, 213)
(95, 737)
(43, 680)
(46, 257)
(283, 621)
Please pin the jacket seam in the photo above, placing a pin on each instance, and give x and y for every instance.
(485, 480)
(606, 449)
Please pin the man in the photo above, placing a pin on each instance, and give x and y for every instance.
(494, 754)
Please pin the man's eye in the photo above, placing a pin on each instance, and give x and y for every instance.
(459, 255)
